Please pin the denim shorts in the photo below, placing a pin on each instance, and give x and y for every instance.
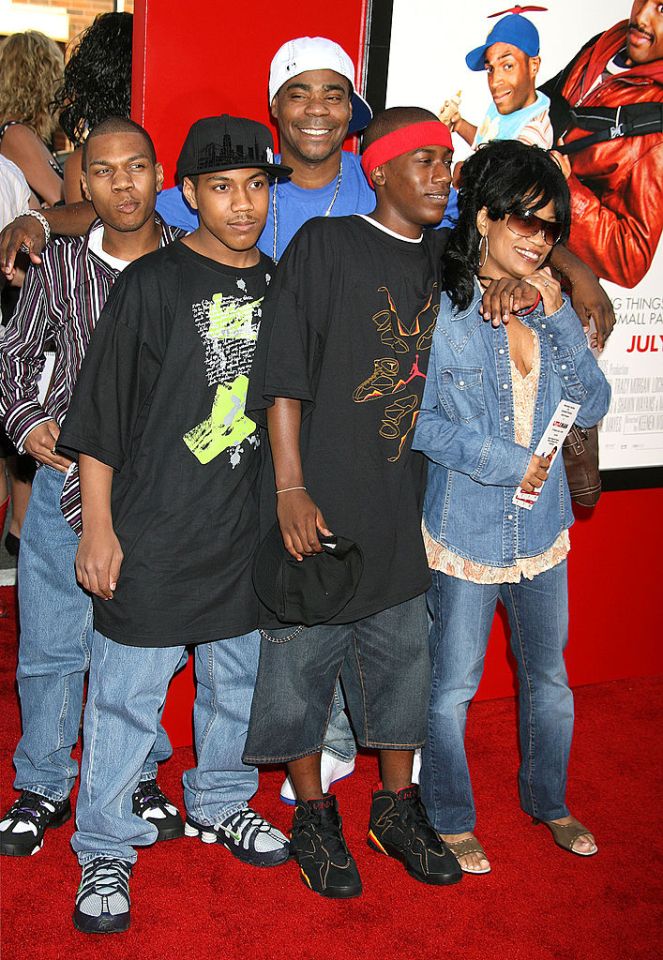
(384, 663)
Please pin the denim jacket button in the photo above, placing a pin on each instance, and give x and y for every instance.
(507, 419)
(543, 326)
(563, 366)
(509, 516)
(501, 350)
(505, 386)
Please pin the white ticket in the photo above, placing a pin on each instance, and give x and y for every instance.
(550, 445)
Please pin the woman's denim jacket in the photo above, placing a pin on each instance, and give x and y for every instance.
(466, 429)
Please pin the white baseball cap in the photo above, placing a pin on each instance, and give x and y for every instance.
(317, 53)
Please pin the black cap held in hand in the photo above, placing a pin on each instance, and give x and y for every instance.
(308, 591)
(228, 143)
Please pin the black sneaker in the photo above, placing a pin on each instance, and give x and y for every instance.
(23, 827)
(248, 837)
(150, 803)
(400, 828)
(102, 900)
(317, 843)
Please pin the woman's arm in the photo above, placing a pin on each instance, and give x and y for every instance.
(73, 168)
(489, 460)
(24, 147)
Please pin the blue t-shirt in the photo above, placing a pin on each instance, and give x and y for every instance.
(294, 205)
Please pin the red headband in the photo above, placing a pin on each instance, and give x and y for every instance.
(426, 134)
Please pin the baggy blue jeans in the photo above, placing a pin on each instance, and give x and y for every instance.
(463, 614)
(54, 648)
(126, 689)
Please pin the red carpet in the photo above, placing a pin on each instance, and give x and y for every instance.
(194, 901)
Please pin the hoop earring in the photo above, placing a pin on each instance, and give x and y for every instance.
(485, 257)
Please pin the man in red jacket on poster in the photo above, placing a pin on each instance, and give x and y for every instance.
(616, 185)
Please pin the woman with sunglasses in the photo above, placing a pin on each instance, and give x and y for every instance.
(489, 396)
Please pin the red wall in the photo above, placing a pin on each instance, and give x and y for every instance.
(215, 59)
(193, 61)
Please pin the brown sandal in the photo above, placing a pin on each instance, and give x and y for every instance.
(461, 848)
(566, 834)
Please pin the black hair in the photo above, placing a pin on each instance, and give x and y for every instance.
(97, 77)
(393, 119)
(505, 176)
(119, 125)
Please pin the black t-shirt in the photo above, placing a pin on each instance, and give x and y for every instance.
(161, 398)
(347, 329)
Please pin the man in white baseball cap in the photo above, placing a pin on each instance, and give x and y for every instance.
(317, 53)
(313, 100)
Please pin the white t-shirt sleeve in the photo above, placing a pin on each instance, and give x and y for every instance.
(14, 192)
(538, 132)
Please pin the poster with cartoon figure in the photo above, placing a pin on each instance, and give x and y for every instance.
(586, 77)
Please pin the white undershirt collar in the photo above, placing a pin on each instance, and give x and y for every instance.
(392, 233)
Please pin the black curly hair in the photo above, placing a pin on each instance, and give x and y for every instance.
(97, 77)
(505, 176)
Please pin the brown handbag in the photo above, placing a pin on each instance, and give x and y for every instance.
(581, 460)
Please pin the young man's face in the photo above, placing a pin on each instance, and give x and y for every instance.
(232, 205)
(416, 185)
(511, 77)
(313, 111)
(122, 180)
(644, 36)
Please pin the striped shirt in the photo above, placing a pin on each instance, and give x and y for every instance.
(60, 303)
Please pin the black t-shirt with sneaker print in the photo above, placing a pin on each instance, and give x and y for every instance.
(161, 398)
(347, 329)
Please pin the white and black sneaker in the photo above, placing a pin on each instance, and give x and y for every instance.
(23, 827)
(102, 900)
(248, 837)
(150, 803)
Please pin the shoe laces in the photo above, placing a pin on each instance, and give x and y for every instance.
(329, 830)
(417, 818)
(243, 820)
(33, 807)
(105, 876)
(149, 793)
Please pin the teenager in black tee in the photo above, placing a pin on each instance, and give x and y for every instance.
(161, 400)
(340, 367)
(353, 346)
(168, 462)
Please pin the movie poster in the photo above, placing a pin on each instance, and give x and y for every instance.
(620, 231)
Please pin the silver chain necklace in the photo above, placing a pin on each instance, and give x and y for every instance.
(325, 214)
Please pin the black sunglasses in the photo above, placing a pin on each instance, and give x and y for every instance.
(527, 224)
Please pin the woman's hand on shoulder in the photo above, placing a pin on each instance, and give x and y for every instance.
(549, 288)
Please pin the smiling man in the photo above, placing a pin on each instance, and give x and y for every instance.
(61, 301)
(510, 57)
(617, 184)
(313, 101)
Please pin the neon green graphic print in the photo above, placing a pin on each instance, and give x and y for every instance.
(226, 426)
(229, 327)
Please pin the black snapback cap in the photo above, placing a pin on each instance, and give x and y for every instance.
(308, 591)
(228, 143)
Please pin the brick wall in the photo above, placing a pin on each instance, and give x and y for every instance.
(81, 12)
